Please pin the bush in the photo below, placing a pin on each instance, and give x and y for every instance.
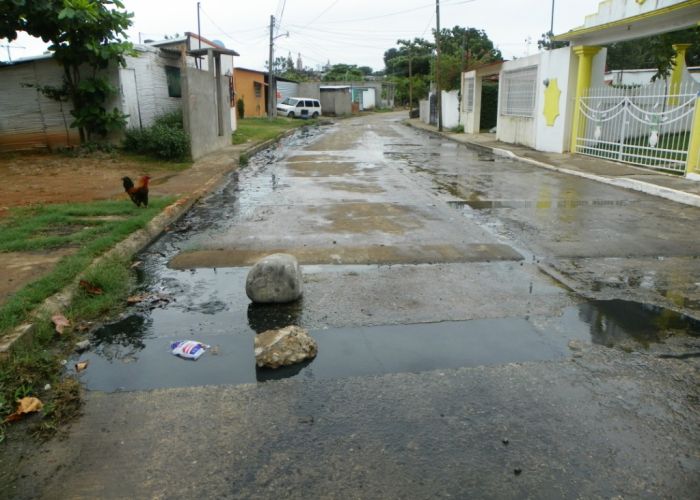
(240, 107)
(165, 139)
(459, 129)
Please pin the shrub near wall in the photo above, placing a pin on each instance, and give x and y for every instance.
(165, 139)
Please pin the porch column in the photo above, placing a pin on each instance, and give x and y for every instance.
(583, 82)
(693, 166)
(677, 73)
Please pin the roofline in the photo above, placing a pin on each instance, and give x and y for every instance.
(571, 35)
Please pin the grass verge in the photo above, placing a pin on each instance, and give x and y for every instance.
(88, 228)
(263, 129)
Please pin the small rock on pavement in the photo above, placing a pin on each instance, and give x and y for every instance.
(286, 346)
(81, 346)
(274, 279)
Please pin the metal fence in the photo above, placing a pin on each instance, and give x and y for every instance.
(648, 125)
(519, 92)
(469, 84)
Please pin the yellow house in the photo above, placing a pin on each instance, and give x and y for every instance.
(249, 85)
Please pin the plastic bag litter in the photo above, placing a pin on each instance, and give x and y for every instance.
(188, 349)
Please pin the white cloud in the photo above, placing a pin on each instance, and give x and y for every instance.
(349, 31)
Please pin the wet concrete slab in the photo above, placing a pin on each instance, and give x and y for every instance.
(378, 254)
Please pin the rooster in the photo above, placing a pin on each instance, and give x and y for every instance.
(139, 192)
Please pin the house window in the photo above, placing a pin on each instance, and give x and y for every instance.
(172, 74)
(258, 89)
(519, 92)
(469, 90)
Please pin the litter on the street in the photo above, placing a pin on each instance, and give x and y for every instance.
(188, 349)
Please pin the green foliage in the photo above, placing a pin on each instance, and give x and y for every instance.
(460, 49)
(240, 108)
(344, 72)
(458, 129)
(65, 225)
(489, 105)
(654, 52)
(86, 36)
(546, 42)
(165, 139)
(263, 129)
(418, 51)
(243, 160)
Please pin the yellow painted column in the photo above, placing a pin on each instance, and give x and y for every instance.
(693, 166)
(583, 82)
(678, 69)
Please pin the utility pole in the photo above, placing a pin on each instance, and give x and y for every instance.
(437, 65)
(270, 73)
(410, 79)
(199, 27)
(551, 23)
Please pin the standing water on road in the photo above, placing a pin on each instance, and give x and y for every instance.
(210, 305)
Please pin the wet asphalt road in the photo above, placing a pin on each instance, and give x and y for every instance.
(398, 227)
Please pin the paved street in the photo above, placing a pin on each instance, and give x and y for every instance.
(480, 334)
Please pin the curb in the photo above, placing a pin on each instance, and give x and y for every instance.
(632, 184)
(131, 245)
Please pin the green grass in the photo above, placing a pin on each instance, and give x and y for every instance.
(263, 129)
(66, 225)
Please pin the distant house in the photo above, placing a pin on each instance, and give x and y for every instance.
(161, 78)
(250, 86)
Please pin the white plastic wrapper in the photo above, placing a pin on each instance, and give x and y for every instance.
(188, 349)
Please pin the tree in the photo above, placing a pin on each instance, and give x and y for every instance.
(418, 50)
(87, 37)
(654, 52)
(463, 49)
(546, 42)
(344, 72)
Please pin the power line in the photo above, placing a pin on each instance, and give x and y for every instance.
(322, 13)
(395, 13)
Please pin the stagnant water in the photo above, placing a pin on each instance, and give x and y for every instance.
(210, 305)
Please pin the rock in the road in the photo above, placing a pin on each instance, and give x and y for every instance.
(286, 346)
(274, 279)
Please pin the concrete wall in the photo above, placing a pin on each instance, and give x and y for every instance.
(28, 119)
(560, 65)
(383, 99)
(200, 111)
(424, 110)
(368, 99)
(450, 109)
(471, 120)
(151, 85)
(517, 129)
(336, 102)
(310, 89)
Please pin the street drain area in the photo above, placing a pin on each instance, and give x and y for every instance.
(133, 353)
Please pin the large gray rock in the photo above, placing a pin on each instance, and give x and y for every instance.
(286, 346)
(274, 279)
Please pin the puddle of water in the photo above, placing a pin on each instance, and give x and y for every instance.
(613, 322)
(126, 359)
(489, 204)
(133, 354)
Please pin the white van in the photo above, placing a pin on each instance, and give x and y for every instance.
(300, 107)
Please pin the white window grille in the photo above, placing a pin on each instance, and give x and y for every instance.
(519, 91)
(469, 90)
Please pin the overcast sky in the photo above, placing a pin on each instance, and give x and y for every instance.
(342, 31)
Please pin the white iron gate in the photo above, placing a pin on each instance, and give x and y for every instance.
(646, 126)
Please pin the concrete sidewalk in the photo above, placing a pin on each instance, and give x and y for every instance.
(670, 187)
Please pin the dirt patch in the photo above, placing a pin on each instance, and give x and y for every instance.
(20, 268)
(369, 217)
(374, 254)
(322, 169)
(353, 187)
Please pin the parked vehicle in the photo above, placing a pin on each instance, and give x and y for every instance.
(299, 107)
